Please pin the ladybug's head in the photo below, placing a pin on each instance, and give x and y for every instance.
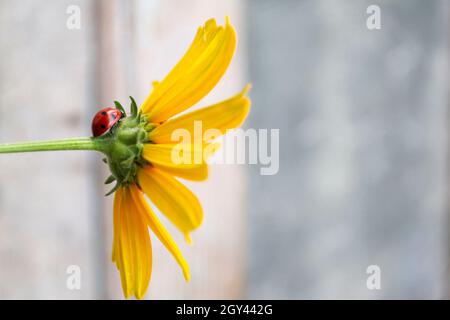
(104, 120)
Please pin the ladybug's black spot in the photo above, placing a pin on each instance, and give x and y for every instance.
(103, 126)
(104, 113)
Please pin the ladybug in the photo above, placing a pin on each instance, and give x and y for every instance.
(104, 120)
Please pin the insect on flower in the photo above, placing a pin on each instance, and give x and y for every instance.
(139, 148)
(104, 120)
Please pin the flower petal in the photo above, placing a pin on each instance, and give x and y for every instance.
(195, 75)
(132, 250)
(169, 157)
(225, 115)
(158, 229)
(174, 200)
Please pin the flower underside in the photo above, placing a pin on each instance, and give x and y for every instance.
(124, 145)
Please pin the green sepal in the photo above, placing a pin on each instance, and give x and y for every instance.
(120, 107)
(113, 190)
(149, 127)
(110, 179)
(128, 162)
(134, 108)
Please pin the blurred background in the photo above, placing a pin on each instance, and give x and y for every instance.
(363, 120)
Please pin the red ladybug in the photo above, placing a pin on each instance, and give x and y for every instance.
(104, 120)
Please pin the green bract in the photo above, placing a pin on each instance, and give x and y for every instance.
(123, 146)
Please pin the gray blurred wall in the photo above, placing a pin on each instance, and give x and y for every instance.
(363, 128)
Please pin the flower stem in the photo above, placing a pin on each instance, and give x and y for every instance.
(53, 145)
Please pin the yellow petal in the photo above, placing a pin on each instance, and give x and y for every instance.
(116, 210)
(195, 75)
(168, 157)
(225, 115)
(174, 200)
(117, 247)
(158, 229)
(132, 248)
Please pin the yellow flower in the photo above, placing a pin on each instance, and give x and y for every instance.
(155, 173)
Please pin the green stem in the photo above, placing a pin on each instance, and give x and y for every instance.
(53, 145)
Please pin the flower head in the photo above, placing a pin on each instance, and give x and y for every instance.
(140, 150)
